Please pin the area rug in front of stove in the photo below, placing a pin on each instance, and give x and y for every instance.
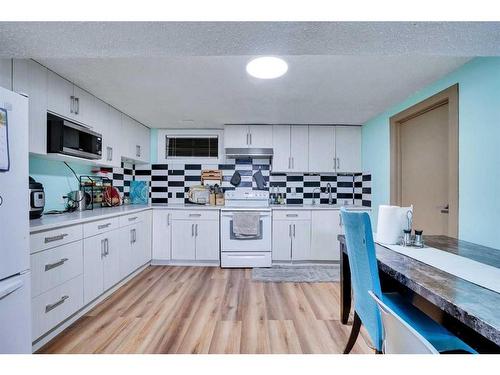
(298, 274)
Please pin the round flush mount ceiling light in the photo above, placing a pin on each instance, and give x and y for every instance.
(267, 67)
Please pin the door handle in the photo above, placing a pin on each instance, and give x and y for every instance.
(135, 235)
(445, 209)
(103, 252)
(168, 220)
(131, 236)
(293, 162)
(72, 104)
(290, 230)
(192, 230)
(292, 215)
(293, 230)
(50, 266)
(338, 163)
(103, 226)
(250, 139)
(247, 140)
(194, 215)
(59, 237)
(289, 162)
(196, 230)
(107, 247)
(77, 106)
(52, 306)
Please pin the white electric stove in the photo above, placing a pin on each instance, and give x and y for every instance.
(246, 252)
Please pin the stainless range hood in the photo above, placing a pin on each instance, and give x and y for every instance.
(249, 152)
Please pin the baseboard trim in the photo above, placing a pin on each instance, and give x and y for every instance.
(185, 263)
(54, 332)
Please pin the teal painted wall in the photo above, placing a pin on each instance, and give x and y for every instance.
(56, 178)
(479, 148)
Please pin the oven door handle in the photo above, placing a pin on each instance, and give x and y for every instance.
(263, 215)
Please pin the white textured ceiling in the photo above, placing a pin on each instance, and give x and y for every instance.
(164, 73)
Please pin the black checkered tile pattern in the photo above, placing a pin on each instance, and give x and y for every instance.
(169, 183)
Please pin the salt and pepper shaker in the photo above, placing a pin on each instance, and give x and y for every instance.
(418, 241)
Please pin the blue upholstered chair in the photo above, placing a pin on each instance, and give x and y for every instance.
(365, 278)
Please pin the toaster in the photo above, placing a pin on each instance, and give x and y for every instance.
(198, 194)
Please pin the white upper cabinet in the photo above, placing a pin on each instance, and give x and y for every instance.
(246, 136)
(348, 149)
(84, 108)
(112, 141)
(30, 79)
(290, 148)
(60, 96)
(322, 149)
(6, 73)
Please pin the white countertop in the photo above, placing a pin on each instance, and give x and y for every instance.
(47, 222)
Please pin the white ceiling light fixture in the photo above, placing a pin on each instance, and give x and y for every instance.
(267, 67)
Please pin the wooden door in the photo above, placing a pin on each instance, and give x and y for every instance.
(424, 169)
(348, 149)
(299, 148)
(183, 240)
(322, 149)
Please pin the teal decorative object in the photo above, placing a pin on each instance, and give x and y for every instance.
(139, 192)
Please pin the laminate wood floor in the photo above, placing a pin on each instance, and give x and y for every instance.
(210, 310)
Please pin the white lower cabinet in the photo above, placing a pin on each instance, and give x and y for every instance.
(291, 236)
(325, 227)
(162, 234)
(195, 236)
(101, 263)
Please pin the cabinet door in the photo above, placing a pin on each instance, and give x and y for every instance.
(282, 240)
(281, 161)
(325, 229)
(261, 136)
(100, 125)
(138, 243)
(113, 142)
(146, 230)
(6, 73)
(183, 240)
(299, 148)
(301, 239)
(348, 148)
(85, 107)
(207, 240)
(111, 260)
(236, 136)
(93, 254)
(125, 254)
(144, 143)
(30, 78)
(321, 149)
(162, 225)
(59, 94)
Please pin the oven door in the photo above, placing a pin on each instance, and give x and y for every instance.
(230, 242)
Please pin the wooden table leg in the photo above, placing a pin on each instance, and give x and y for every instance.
(345, 285)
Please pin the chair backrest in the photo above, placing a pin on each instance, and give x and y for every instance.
(399, 336)
(364, 271)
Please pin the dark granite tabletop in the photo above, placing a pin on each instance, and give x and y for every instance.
(473, 305)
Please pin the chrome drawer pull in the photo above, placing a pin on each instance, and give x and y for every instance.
(59, 237)
(103, 226)
(194, 215)
(48, 267)
(132, 218)
(55, 304)
(292, 215)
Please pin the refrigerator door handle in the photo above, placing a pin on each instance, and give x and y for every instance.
(11, 288)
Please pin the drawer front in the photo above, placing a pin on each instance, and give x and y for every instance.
(132, 218)
(56, 237)
(55, 266)
(292, 215)
(101, 226)
(195, 215)
(245, 260)
(52, 307)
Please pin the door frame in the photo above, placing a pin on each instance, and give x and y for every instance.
(448, 96)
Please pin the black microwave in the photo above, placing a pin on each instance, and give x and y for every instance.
(69, 138)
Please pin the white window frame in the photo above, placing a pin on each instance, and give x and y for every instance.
(162, 139)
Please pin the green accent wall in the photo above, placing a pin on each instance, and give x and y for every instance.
(479, 148)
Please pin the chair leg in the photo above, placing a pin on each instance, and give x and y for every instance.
(356, 326)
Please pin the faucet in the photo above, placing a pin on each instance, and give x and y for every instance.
(314, 199)
(329, 190)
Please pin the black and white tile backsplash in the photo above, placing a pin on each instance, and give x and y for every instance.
(169, 183)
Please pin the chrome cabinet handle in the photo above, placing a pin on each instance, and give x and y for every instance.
(103, 251)
(103, 226)
(50, 266)
(131, 236)
(340, 223)
(294, 230)
(338, 163)
(292, 215)
(194, 215)
(59, 237)
(293, 162)
(77, 106)
(72, 104)
(196, 230)
(107, 247)
(247, 140)
(290, 230)
(52, 306)
(109, 151)
(192, 230)
(168, 220)
(250, 138)
(132, 218)
(135, 235)
(289, 162)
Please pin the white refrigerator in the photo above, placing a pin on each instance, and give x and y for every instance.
(15, 279)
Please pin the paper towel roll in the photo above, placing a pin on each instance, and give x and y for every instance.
(391, 222)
